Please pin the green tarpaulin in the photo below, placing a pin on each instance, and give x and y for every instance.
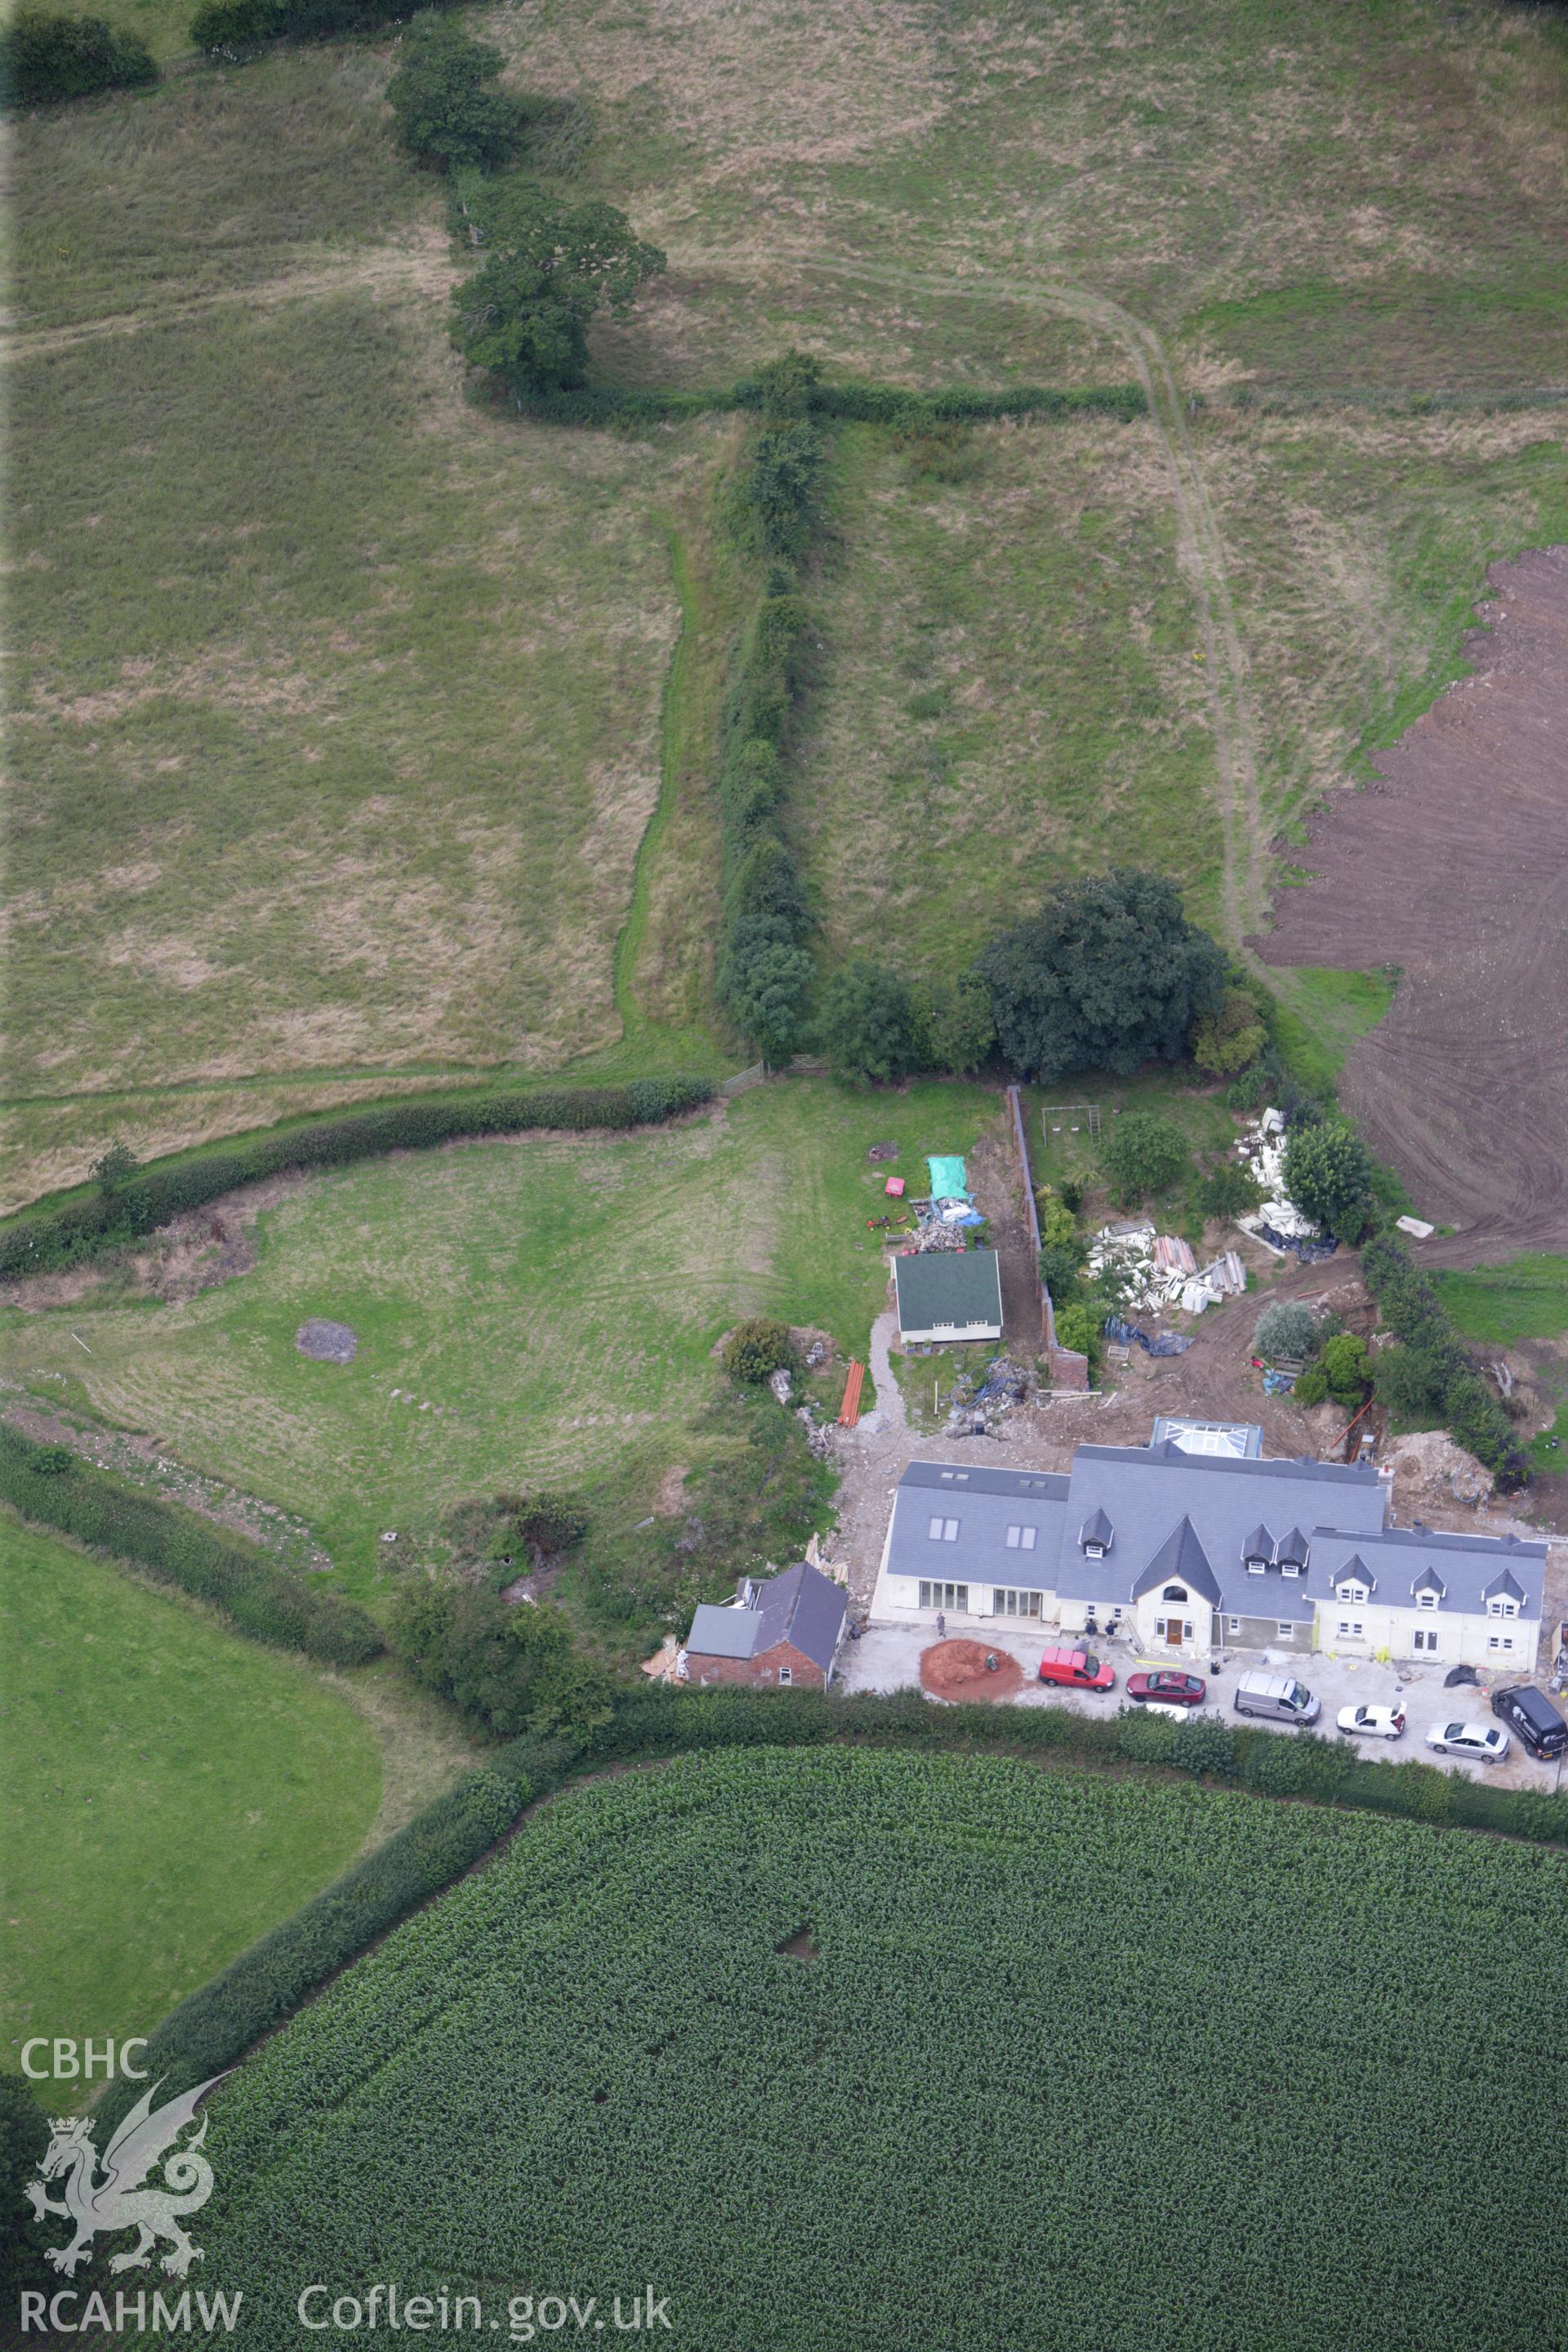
(947, 1180)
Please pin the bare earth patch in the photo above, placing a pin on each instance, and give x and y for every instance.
(958, 1671)
(1453, 865)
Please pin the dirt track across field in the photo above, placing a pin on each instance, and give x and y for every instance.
(1455, 867)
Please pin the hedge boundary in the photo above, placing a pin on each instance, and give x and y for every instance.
(853, 403)
(213, 2028)
(52, 1487)
(90, 1220)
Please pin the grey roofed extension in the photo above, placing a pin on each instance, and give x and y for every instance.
(1462, 1569)
(1293, 1546)
(1180, 1559)
(985, 1503)
(948, 1290)
(724, 1633)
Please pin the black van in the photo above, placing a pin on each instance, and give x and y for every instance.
(1535, 1718)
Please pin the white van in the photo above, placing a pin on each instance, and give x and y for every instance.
(1278, 1698)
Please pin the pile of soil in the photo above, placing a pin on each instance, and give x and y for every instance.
(957, 1670)
(1454, 866)
(327, 1343)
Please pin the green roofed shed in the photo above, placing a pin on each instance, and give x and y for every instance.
(948, 1295)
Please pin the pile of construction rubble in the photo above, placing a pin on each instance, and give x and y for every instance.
(1157, 1272)
(1278, 1224)
(975, 1408)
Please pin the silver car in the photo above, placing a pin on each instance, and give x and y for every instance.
(1483, 1741)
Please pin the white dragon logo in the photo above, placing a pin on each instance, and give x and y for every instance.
(118, 2200)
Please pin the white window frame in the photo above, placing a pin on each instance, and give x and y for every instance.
(1233, 1623)
(1290, 1568)
(937, 1592)
(1353, 1628)
(1353, 1596)
(1499, 1641)
(1008, 1602)
(1424, 1642)
(786, 1674)
(1022, 1538)
(1426, 1599)
(1284, 1626)
(1502, 1608)
(942, 1530)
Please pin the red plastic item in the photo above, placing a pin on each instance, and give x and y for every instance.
(895, 1185)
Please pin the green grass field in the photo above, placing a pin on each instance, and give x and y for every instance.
(343, 722)
(545, 1310)
(170, 1792)
(1046, 2050)
(1525, 1299)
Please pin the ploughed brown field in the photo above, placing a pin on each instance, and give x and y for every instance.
(1454, 866)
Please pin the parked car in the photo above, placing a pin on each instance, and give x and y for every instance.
(1533, 1716)
(1080, 1669)
(1167, 1687)
(1277, 1698)
(1484, 1741)
(1373, 1722)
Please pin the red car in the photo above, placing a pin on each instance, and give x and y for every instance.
(1078, 1668)
(1168, 1688)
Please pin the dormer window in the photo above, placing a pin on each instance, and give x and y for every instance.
(1291, 1553)
(1502, 1608)
(1426, 1597)
(1257, 1551)
(1095, 1536)
(1353, 1592)
(1290, 1568)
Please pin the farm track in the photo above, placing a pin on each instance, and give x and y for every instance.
(389, 268)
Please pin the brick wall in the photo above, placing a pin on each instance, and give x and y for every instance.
(760, 1672)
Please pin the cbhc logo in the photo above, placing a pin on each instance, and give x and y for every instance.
(75, 2061)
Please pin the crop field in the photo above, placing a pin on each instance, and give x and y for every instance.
(169, 1792)
(726, 2026)
(343, 723)
(535, 1311)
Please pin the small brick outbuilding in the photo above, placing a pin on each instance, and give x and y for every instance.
(783, 1629)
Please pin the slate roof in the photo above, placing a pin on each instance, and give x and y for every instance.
(942, 1287)
(1466, 1570)
(985, 1503)
(1193, 1519)
(1180, 1559)
(802, 1607)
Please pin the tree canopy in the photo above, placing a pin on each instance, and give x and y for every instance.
(549, 266)
(1107, 975)
(441, 97)
(1327, 1174)
(1142, 1153)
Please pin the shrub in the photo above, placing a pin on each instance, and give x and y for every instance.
(756, 1350)
(954, 1030)
(1142, 1153)
(237, 28)
(1229, 1191)
(1231, 1037)
(763, 981)
(865, 1025)
(1312, 1387)
(509, 1668)
(1343, 1362)
(1327, 1174)
(1146, 1739)
(1202, 1746)
(776, 498)
(1285, 1327)
(39, 1239)
(179, 1547)
(48, 57)
(1273, 1766)
(1078, 1329)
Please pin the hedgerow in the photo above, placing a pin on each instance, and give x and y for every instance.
(1439, 1364)
(48, 57)
(237, 29)
(85, 1224)
(1145, 2031)
(55, 1487)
